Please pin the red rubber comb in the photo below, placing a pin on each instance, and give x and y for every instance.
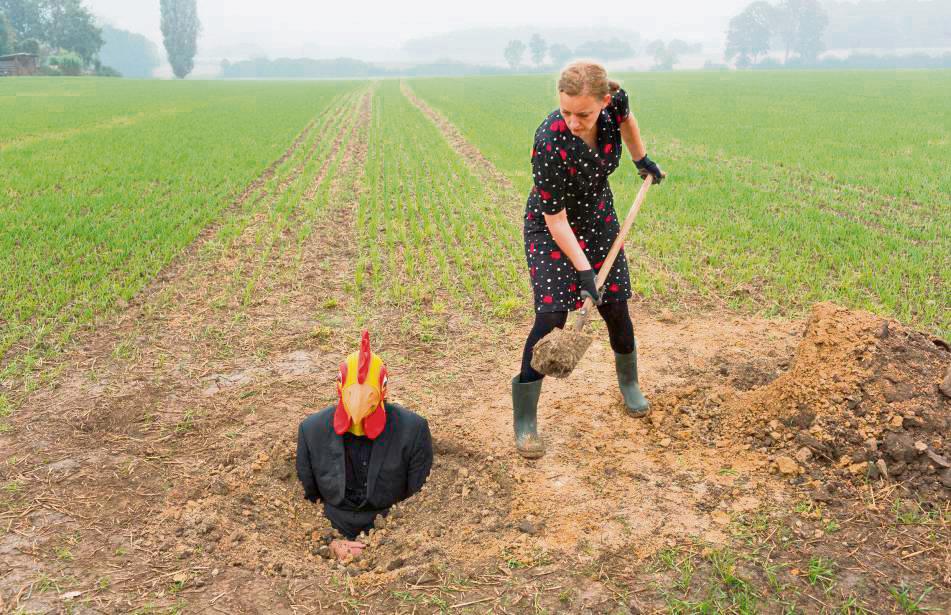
(363, 366)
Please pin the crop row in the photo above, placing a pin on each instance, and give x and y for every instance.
(88, 218)
(764, 209)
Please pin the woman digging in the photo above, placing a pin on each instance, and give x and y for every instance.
(570, 224)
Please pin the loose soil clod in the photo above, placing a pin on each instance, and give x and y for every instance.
(558, 353)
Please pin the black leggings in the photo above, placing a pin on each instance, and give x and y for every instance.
(615, 315)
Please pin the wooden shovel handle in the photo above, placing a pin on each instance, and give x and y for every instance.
(585, 312)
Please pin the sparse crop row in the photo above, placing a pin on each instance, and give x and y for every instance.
(432, 234)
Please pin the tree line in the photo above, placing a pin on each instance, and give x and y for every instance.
(802, 29)
(797, 25)
(65, 36)
(665, 54)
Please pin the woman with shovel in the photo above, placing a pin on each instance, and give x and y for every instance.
(570, 225)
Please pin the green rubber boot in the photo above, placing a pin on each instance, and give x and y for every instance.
(525, 418)
(634, 401)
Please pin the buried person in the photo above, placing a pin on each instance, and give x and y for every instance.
(569, 226)
(364, 454)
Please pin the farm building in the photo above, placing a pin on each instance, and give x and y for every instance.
(18, 65)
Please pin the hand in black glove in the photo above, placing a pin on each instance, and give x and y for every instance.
(646, 166)
(589, 286)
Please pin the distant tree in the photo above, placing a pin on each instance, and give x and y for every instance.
(560, 54)
(7, 35)
(662, 59)
(614, 49)
(813, 21)
(514, 52)
(180, 28)
(68, 63)
(750, 33)
(679, 47)
(54, 24)
(801, 25)
(131, 54)
(72, 27)
(26, 17)
(538, 48)
(30, 45)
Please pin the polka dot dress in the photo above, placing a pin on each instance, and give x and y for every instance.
(570, 175)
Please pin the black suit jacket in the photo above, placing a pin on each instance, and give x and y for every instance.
(400, 459)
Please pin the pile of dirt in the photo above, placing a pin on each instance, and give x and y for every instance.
(863, 400)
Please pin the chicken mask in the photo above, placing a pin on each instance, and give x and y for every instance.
(361, 390)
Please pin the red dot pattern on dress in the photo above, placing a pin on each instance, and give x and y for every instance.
(572, 177)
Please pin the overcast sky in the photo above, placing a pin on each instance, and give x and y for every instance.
(301, 27)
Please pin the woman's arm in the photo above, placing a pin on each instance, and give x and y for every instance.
(565, 238)
(631, 135)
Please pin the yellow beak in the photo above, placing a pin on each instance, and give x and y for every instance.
(360, 400)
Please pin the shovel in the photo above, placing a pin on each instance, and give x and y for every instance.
(559, 352)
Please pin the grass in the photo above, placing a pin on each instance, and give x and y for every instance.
(430, 231)
(785, 189)
(821, 571)
(105, 181)
(906, 600)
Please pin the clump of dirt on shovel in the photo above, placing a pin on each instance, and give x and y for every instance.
(559, 352)
(863, 399)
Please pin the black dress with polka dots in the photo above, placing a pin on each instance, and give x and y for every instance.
(570, 175)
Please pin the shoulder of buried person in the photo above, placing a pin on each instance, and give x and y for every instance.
(403, 418)
(318, 422)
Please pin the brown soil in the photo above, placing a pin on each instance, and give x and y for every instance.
(155, 471)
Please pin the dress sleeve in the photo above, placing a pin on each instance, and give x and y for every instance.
(549, 171)
(620, 106)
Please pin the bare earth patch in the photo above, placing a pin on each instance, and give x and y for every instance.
(156, 470)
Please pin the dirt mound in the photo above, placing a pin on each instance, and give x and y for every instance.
(861, 399)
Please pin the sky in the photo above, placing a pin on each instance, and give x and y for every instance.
(372, 30)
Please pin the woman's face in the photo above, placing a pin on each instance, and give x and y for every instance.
(581, 112)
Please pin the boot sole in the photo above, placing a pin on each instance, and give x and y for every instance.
(530, 454)
(637, 414)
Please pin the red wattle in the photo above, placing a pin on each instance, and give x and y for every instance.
(373, 425)
(341, 419)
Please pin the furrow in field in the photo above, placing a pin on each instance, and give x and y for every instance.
(434, 233)
(477, 163)
(24, 341)
(161, 390)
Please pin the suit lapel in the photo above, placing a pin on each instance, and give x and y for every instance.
(378, 452)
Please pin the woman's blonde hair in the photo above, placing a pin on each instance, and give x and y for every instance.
(586, 78)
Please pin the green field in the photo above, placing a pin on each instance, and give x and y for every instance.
(105, 181)
(431, 232)
(785, 189)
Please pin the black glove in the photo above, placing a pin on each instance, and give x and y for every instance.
(646, 166)
(589, 285)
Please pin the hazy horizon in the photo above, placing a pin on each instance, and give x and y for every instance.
(288, 28)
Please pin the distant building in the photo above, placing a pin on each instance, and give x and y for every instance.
(18, 65)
